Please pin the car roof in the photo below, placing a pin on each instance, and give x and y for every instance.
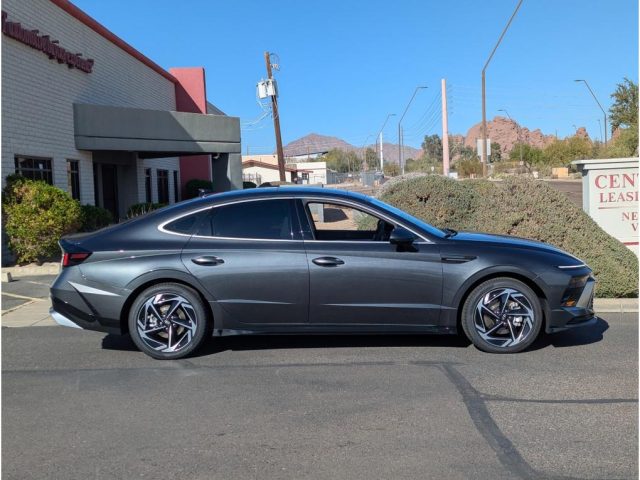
(284, 191)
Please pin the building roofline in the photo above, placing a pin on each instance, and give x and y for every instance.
(100, 29)
(257, 163)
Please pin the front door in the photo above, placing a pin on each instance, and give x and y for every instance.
(358, 277)
(251, 259)
(110, 189)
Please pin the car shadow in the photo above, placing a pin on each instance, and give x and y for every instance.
(568, 338)
(573, 337)
(281, 342)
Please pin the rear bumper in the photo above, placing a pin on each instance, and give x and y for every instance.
(580, 315)
(69, 316)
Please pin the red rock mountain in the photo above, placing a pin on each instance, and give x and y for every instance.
(507, 133)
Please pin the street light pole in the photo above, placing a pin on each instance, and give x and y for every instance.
(380, 137)
(518, 129)
(483, 156)
(603, 112)
(400, 136)
(600, 128)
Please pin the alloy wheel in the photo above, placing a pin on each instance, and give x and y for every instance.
(166, 322)
(504, 317)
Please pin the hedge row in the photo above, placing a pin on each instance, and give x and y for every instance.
(37, 214)
(524, 208)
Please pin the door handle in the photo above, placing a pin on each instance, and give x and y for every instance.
(207, 261)
(328, 261)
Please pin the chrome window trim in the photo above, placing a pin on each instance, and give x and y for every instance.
(335, 201)
(230, 202)
(566, 267)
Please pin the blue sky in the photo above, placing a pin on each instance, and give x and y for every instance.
(346, 64)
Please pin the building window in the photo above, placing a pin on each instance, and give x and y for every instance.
(147, 184)
(35, 168)
(176, 187)
(163, 186)
(73, 178)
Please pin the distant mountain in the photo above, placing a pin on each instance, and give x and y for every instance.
(314, 144)
(507, 133)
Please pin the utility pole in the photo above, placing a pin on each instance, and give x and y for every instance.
(445, 131)
(380, 137)
(381, 153)
(276, 120)
(603, 112)
(483, 143)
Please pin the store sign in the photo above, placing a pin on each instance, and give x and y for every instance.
(610, 190)
(47, 46)
(614, 202)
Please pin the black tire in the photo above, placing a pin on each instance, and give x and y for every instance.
(189, 322)
(525, 317)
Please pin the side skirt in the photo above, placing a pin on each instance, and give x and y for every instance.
(339, 330)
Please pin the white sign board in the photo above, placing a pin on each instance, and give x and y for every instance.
(479, 145)
(610, 196)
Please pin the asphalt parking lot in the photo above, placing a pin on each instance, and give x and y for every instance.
(80, 404)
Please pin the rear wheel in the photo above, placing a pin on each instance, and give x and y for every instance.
(502, 315)
(168, 321)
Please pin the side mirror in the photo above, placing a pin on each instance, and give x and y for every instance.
(401, 237)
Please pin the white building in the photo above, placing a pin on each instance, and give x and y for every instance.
(261, 169)
(85, 111)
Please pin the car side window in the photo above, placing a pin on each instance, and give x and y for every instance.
(332, 221)
(260, 219)
(187, 224)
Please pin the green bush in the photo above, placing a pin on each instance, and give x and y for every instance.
(246, 185)
(36, 216)
(192, 187)
(138, 209)
(524, 208)
(94, 218)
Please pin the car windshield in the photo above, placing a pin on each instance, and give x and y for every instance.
(409, 218)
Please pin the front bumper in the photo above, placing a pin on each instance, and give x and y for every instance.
(580, 315)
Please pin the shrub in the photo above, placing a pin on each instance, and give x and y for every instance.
(138, 209)
(246, 185)
(525, 208)
(94, 218)
(36, 216)
(192, 187)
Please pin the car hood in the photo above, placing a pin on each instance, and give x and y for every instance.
(508, 240)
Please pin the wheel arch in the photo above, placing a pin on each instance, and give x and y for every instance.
(155, 278)
(473, 282)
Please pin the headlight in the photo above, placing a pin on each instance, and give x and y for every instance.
(567, 267)
(574, 290)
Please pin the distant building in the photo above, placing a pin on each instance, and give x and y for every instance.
(260, 169)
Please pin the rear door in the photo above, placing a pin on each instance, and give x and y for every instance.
(358, 277)
(250, 257)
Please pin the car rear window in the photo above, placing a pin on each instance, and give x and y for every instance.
(187, 224)
(260, 219)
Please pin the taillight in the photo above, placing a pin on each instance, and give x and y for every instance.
(70, 259)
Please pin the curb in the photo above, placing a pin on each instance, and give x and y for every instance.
(49, 268)
(615, 305)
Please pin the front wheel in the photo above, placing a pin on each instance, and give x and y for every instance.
(168, 321)
(502, 315)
